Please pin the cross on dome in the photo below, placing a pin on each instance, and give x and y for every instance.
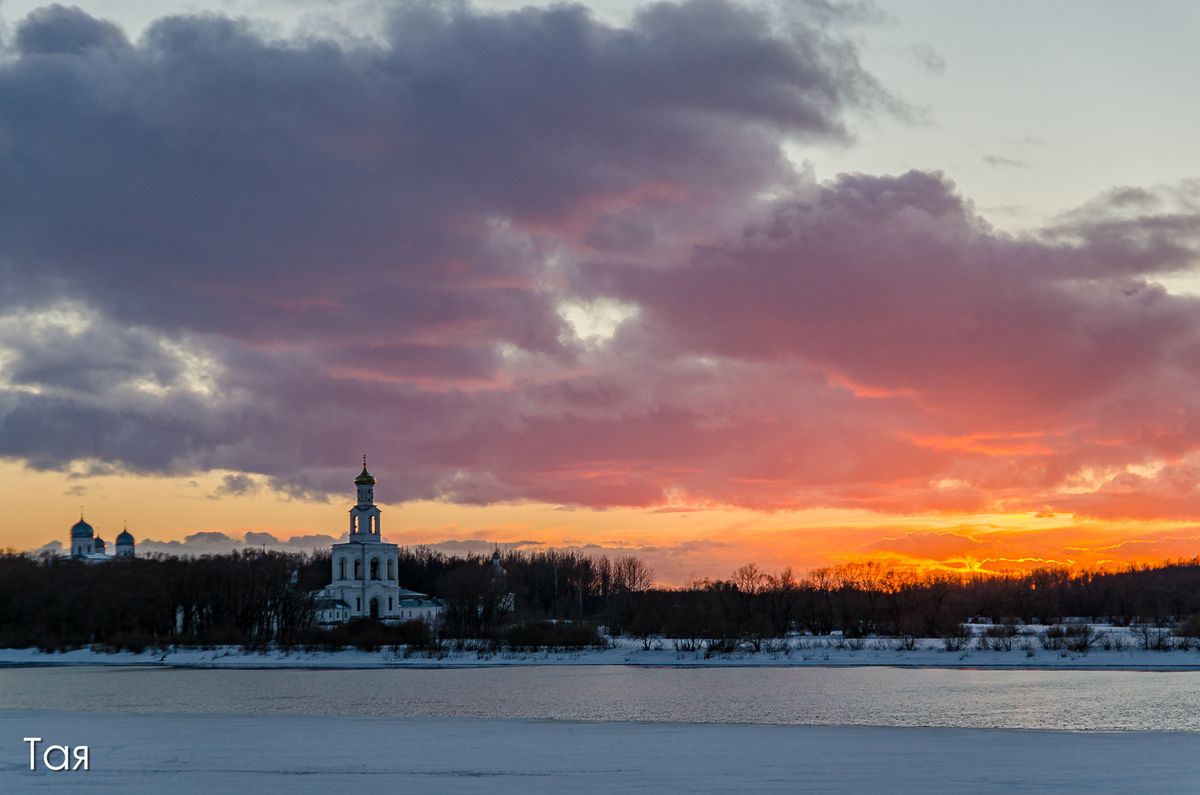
(364, 478)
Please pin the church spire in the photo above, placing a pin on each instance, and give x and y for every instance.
(364, 478)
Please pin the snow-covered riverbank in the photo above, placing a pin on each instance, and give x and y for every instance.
(794, 652)
(267, 754)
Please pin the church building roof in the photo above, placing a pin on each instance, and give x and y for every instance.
(364, 478)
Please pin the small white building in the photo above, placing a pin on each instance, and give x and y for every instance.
(332, 611)
(364, 582)
(90, 548)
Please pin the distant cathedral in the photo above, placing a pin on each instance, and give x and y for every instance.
(365, 578)
(91, 548)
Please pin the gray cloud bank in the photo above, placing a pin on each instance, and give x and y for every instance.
(215, 542)
(220, 249)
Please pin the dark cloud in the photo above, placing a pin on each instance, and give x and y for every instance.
(237, 484)
(235, 184)
(212, 543)
(206, 537)
(220, 250)
(225, 250)
(61, 30)
(75, 354)
(168, 435)
(972, 356)
(896, 285)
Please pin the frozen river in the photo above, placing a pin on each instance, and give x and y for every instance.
(877, 696)
(603, 729)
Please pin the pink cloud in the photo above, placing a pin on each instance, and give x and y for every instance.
(367, 248)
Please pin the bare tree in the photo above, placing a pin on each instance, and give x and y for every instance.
(750, 579)
(631, 574)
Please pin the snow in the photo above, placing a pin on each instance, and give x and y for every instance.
(269, 754)
(183, 746)
(1027, 653)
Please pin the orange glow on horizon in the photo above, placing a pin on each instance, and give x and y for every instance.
(681, 542)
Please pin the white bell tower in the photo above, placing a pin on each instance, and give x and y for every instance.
(364, 516)
(365, 568)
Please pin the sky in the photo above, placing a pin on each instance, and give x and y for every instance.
(709, 282)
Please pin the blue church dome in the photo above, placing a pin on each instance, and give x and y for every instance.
(82, 529)
(125, 538)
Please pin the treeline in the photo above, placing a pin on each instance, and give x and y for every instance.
(249, 598)
(258, 598)
(863, 599)
(855, 599)
(546, 585)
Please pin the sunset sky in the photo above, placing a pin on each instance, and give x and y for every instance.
(712, 282)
